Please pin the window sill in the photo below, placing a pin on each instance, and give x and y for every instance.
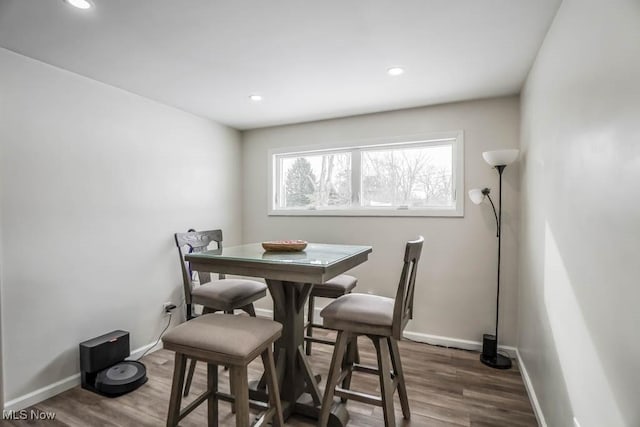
(434, 212)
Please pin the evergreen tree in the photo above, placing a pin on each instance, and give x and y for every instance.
(300, 183)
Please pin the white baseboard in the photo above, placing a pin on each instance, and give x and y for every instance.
(537, 410)
(454, 342)
(138, 352)
(43, 393)
(417, 336)
(63, 385)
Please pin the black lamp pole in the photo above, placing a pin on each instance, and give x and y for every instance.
(490, 356)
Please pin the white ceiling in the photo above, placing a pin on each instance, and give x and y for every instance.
(309, 60)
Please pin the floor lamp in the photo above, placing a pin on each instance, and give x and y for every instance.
(499, 159)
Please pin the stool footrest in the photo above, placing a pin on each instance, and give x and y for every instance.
(193, 405)
(358, 396)
(317, 325)
(254, 404)
(319, 340)
(366, 369)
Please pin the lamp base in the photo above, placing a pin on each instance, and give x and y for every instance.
(489, 346)
(497, 362)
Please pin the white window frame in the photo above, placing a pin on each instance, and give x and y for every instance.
(456, 138)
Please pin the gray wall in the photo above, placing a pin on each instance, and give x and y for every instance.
(1, 299)
(455, 295)
(580, 237)
(94, 182)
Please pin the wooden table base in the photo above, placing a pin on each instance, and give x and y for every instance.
(304, 406)
(296, 379)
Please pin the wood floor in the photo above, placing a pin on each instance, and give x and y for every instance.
(446, 387)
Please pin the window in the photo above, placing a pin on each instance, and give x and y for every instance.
(417, 176)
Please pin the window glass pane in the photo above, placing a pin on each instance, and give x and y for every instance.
(412, 177)
(315, 180)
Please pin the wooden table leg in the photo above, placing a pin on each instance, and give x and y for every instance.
(286, 310)
(294, 371)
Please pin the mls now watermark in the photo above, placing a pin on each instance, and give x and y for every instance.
(28, 414)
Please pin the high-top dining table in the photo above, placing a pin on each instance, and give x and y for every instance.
(290, 277)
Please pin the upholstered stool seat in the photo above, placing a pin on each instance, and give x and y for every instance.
(359, 312)
(224, 339)
(228, 294)
(233, 340)
(334, 288)
(338, 286)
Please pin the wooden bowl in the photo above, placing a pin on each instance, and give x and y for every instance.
(284, 245)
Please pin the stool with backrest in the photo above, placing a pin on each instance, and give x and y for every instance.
(382, 320)
(334, 288)
(234, 341)
(214, 295)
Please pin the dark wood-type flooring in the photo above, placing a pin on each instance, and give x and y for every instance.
(446, 387)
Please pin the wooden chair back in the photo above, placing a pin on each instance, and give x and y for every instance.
(403, 308)
(195, 241)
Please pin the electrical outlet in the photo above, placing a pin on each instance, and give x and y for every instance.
(575, 422)
(168, 307)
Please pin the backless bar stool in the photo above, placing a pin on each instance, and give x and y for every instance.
(234, 341)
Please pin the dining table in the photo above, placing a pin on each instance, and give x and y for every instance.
(290, 277)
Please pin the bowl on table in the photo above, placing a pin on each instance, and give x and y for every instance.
(284, 245)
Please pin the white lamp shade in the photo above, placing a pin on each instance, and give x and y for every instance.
(500, 157)
(476, 196)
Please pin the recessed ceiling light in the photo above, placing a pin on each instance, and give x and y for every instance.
(80, 4)
(395, 71)
(255, 98)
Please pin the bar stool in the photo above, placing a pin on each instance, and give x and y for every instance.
(334, 288)
(382, 320)
(234, 341)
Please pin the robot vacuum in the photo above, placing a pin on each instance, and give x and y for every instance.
(104, 369)
(121, 378)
